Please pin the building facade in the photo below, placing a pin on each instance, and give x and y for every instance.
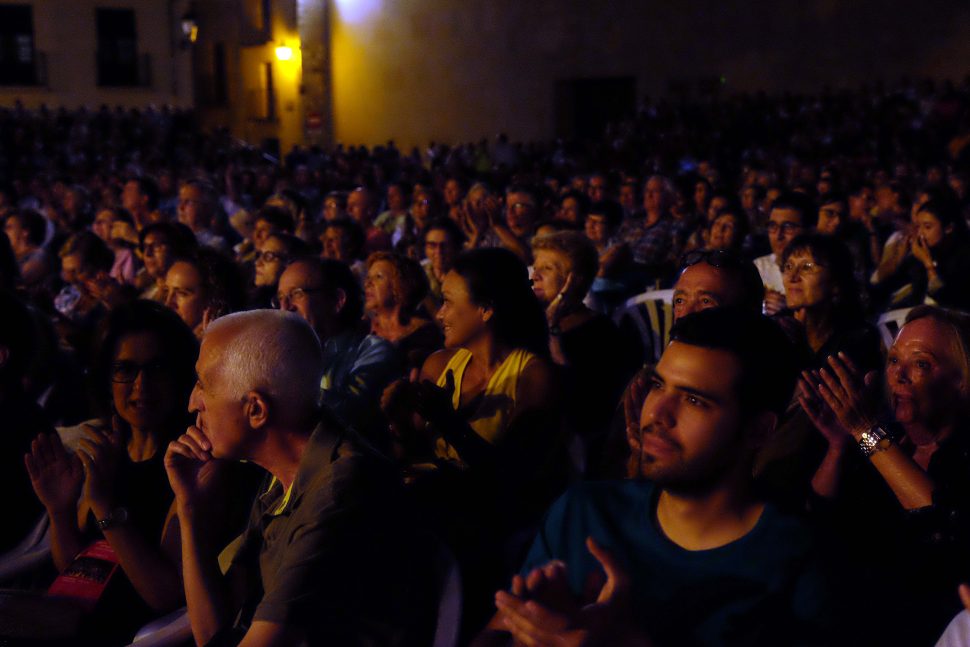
(91, 52)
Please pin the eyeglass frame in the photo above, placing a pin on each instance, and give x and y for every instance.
(154, 368)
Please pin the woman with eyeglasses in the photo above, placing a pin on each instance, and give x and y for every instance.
(823, 298)
(113, 485)
(271, 259)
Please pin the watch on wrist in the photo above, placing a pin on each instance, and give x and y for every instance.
(873, 440)
(115, 518)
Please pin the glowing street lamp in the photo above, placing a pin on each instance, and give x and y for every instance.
(284, 53)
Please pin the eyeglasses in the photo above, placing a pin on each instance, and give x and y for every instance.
(715, 258)
(149, 249)
(787, 228)
(807, 267)
(293, 296)
(125, 372)
(521, 206)
(270, 257)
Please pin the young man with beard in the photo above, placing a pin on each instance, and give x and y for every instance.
(687, 553)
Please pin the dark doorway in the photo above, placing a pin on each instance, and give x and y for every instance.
(585, 106)
(117, 47)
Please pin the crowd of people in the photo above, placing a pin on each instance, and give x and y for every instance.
(281, 393)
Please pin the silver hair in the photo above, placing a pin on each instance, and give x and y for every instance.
(272, 352)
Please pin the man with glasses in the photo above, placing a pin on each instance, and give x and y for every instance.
(515, 231)
(791, 214)
(357, 366)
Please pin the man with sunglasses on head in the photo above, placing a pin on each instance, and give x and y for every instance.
(357, 365)
(708, 279)
(791, 214)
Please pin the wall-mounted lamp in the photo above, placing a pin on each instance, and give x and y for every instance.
(284, 53)
(190, 28)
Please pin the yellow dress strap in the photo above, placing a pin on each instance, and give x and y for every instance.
(457, 364)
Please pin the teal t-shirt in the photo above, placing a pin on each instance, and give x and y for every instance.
(774, 586)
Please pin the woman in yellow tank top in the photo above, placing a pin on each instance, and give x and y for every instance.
(493, 381)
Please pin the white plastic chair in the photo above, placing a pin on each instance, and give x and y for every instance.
(167, 631)
(652, 314)
(889, 324)
(449, 597)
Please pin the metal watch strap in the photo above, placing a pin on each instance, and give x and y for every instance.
(872, 439)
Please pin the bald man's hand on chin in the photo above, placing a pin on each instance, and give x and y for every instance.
(192, 471)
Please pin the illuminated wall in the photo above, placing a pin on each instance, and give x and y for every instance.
(64, 33)
(459, 70)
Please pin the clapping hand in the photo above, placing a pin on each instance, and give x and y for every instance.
(540, 609)
(55, 475)
(847, 395)
(818, 412)
(100, 452)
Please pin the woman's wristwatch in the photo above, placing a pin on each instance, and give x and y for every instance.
(873, 440)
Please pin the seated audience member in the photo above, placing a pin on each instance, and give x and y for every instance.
(83, 258)
(708, 279)
(140, 198)
(573, 208)
(160, 244)
(114, 485)
(356, 366)
(26, 230)
(728, 229)
(407, 238)
(602, 223)
(790, 215)
(329, 556)
(202, 287)
(343, 240)
(454, 193)
(937, 267)
(651, 237)
(823, 297)
(628, 562)
(304, 223)
(906, 494)
(585, 343)
(834, 220)
(334, 206)
(22, 419)
(398, 200)
(269, 220)
(271, 260)
(124, 243)
(485, 414)
(394, 293)
(198, 206)
(442, 242)
(361, 208)
(513, 232)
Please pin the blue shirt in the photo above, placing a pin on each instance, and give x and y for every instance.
(357, 367)
(770, 587)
